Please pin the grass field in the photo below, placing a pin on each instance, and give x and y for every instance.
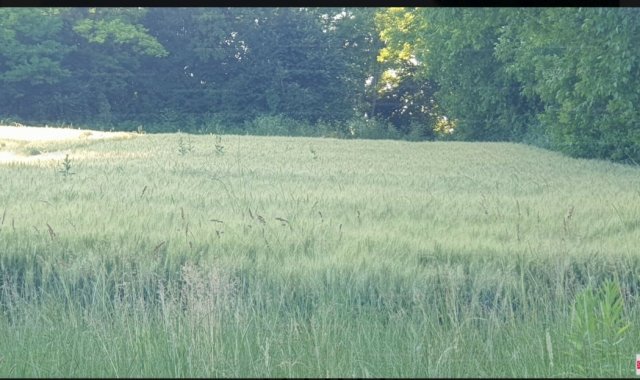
(176, 255)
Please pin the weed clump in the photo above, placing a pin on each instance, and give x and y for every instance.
(185, 147)
(65, 167)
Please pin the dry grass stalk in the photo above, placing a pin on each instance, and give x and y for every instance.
(52, 233)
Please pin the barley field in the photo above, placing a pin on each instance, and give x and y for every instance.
(237, 256)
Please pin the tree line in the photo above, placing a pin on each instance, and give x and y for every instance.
(560, 78)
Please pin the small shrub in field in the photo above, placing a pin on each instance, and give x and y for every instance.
(34, 151)
(65, 167)
(184, 147)
(276, 125)
(371, 129)
(214, 124)
(327, 129)
(314, 154)
(536, 135)
(420, 132)
(218, 145)
(598, 326)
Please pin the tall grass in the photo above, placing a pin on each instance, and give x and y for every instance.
(301, 257)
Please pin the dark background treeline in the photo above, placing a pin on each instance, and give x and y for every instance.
(561, 78)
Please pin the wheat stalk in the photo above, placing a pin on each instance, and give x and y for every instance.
(549, 348)
(51, 232)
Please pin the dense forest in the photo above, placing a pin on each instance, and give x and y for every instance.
(559, 78)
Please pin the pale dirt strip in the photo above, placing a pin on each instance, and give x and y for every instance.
(44, 134)
(54, 134)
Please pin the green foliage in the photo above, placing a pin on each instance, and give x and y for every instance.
(560, 78)
(296, 68)
(277, 125)
(324, 128)
(456, 46)
(214, 123)
(65, 167)
(33, 151)
(371, 129)
(402, 95)
(598, 327)
(305, 64)
(30, 53)
(420, 131)
(582, 66)
(98, 31)
(69, 65)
